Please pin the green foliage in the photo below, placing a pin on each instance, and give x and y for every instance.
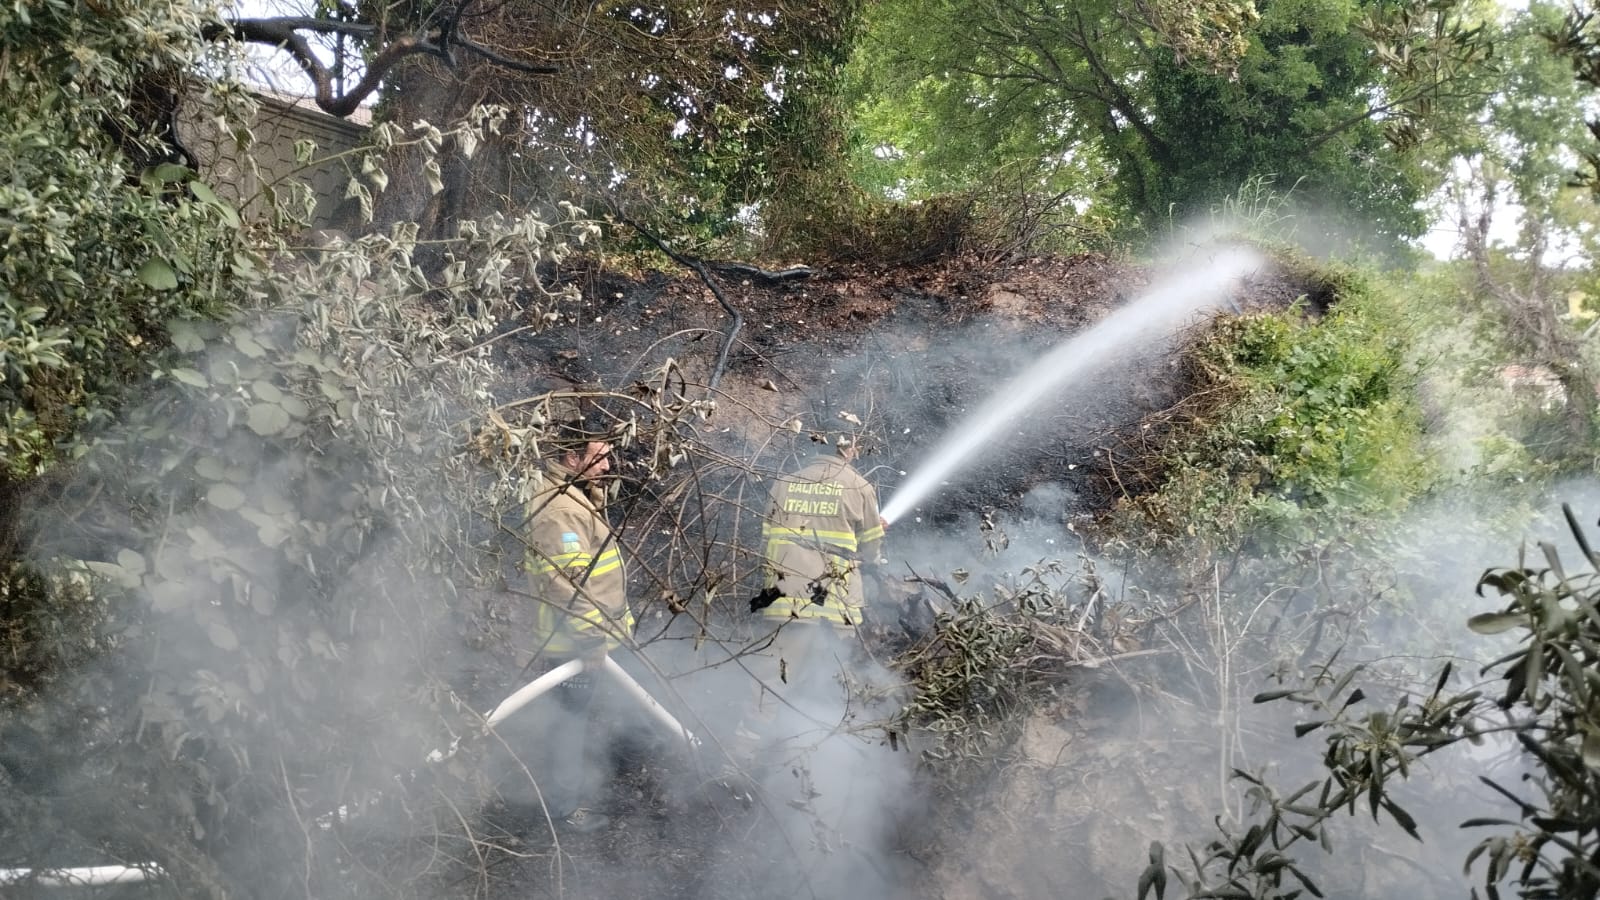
(280, 538)
(1313, 417)
(1540, 108)
(1364, 753)
(1577, 40)
(1298, 109)
(1006, 217)
(969, 684)
(209, 621)
(1165, 110)
(43, 642)
(99, 254)
(1530, 281)
(780, 151)
(676, 116)
(258, 573)
(851, 227)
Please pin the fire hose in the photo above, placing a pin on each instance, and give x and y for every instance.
(80, 876)
(564, 672)
(92, 876)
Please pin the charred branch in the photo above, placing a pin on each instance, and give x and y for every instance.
(442, 39)
(767, 277)
(702, 268)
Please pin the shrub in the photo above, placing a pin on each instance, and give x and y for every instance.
(107, 236)
(1309, 417)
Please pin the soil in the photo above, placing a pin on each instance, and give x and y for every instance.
(909, 350)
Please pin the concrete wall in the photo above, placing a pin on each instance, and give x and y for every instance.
(280, 123)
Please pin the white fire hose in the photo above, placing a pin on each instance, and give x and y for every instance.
(531, 691)
(547, 682)
(652, 706)
(93, 876)
(80, 876)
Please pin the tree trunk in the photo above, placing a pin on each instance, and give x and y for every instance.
(1533, 321)
(429, 92)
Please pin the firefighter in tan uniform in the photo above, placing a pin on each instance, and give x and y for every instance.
(822, 526)
(573, 562)
(578, 584)
(800, 745)
(821, 532)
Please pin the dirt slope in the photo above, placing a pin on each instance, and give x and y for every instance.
(909, 350)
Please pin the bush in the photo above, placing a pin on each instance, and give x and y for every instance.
(1309, 416)
(223, 620)
(107, 236)
(1545, 706)
(257, 576)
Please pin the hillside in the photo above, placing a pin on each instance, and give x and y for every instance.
(910, 351)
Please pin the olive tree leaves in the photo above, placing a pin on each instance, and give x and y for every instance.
(1548, 702)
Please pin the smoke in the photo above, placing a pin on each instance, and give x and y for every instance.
(833, 802)
(795, 762)
(276, 636)
(1140, 750)
(829, 776)
(1402, 593)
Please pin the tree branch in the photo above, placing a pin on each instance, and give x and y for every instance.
(699, 268)
(1122, 103)
(288, 33)
(504, 61)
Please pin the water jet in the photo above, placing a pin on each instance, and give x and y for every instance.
(1153, 316)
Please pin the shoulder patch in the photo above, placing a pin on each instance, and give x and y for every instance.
(569, 542)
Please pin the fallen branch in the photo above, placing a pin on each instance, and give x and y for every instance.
(765, 276)
(699, 268)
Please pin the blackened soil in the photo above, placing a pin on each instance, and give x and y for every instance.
(908, 351)
(911, 351)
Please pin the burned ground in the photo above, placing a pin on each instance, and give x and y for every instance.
(909, 351)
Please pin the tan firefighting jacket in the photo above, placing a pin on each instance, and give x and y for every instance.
(575, 569)
(821, 523)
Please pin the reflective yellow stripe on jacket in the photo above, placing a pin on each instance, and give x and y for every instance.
(610, 561)
(837, 609)
(819, 521)
(575, 569)
(560, 626)
(777, 535)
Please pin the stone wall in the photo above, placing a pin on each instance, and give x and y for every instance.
(280, 124)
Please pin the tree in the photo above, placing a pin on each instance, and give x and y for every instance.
(1545, 703)
(1519, 160)
(236, 480)
(108, 235)
(1577, 40)
(292, 478)
(1175, 105)
(375, 47)
(679, 113)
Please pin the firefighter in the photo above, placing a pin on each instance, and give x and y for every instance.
(578, 584)
(822, 533)
(573, 562)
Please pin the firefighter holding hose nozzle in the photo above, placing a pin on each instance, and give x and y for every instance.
(822, 535)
